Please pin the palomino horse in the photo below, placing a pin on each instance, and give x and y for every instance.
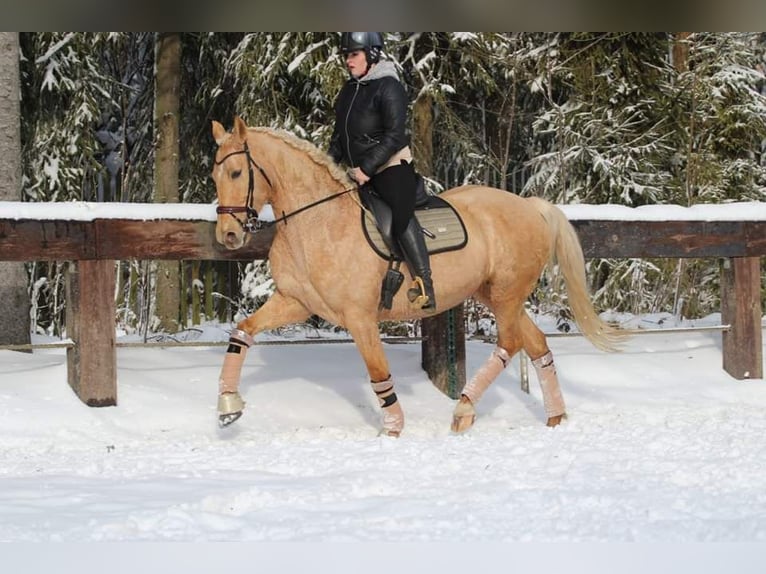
(322, 264)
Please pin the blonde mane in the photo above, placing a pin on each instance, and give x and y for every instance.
(315, 154)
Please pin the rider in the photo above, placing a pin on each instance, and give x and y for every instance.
(370, 137)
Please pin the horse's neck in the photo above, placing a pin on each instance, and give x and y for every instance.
(298, 181)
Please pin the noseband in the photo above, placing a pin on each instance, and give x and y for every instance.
(251, 223)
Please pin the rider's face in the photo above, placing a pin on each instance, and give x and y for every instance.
(356, 63)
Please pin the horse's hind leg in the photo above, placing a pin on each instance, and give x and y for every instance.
(277, 311)
(465, 412)
(536, 347)
(509, 341)
(512, 336)
(508, 344)
(367, 339)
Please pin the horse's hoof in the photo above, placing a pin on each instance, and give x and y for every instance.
(462, 424)
(389, 432)
(230, 407)
(227, 419)
(464, 416)
(555, 421)
(230, 403)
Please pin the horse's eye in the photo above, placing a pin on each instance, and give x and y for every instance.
(236, 174)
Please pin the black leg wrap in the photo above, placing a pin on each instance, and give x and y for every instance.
(385, 392)
(388, 400)
(237, 340)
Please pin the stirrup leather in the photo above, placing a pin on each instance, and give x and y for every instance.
(417, 293)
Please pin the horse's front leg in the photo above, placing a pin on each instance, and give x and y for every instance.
(277, 311)
(367, 339)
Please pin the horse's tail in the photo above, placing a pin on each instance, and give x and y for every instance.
(569, 256)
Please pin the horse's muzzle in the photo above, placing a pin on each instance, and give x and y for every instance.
(234, 240)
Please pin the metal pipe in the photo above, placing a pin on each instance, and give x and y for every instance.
(392, 340)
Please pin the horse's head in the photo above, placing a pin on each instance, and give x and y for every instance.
(241, 184)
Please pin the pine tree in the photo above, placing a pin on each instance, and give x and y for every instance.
(604, 138)
(720, 121)
(582, 117)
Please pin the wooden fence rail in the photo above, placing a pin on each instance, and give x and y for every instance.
(94, 236)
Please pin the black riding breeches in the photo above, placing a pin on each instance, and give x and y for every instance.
(396, 186)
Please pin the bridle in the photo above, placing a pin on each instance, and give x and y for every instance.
(252, 223)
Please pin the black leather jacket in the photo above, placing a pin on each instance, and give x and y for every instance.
(370, 120)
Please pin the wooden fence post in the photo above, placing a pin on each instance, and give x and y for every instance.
(741, 308)
(443, 350)
(90, 317)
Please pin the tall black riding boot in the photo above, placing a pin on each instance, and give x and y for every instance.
(415, 252)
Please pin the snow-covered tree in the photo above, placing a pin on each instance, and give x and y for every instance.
(578, 117)
(602, 136)
(720, 121)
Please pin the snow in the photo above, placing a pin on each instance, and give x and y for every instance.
(295, 64)
(661, 447)
(55, 48)
(739, 211)
(88, 211)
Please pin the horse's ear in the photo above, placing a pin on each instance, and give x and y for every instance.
(240, 128)
(218, 132)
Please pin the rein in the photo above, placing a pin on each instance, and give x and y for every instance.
(252, 224)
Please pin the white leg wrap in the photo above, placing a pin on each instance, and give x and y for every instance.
(488, 372)
(228, 381)
(549, 384)
(393, 416)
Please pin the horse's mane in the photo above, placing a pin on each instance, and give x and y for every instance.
(315, 154)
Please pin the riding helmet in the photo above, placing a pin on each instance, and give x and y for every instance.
(369, 42)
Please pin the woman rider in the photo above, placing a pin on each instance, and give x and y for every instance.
(370, 138)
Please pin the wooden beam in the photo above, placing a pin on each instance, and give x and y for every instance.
(54, 240)
(90, 318)
(643, 239)
(173, 239)
(741, 308)
(49, 240)
(25, 240)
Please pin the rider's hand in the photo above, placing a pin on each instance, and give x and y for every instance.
(358, 176)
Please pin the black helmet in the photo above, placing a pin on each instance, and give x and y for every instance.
(369, 42)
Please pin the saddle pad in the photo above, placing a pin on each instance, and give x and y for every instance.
(444, 229)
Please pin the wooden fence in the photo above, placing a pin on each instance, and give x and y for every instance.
(94, 236)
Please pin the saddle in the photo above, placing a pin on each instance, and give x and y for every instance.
(442, 226)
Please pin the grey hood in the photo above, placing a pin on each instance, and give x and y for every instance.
(382, 69)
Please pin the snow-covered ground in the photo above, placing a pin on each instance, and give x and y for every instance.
(661, 446)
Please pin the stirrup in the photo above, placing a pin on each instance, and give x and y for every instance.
(417, 293)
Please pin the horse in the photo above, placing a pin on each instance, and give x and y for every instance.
(322, 264)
